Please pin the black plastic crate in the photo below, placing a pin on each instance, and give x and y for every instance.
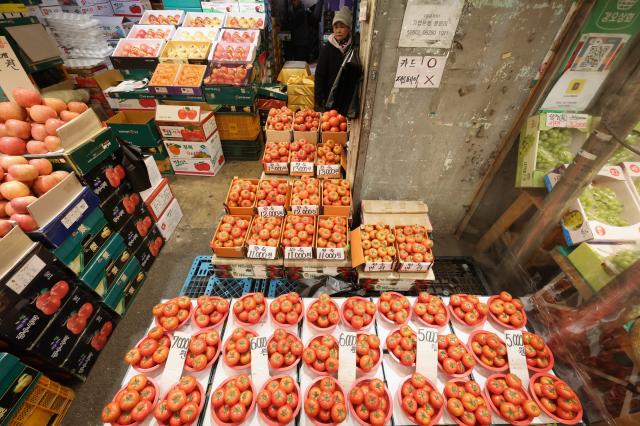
(457, 275)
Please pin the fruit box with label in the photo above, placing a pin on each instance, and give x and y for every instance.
(245, 20)
(219, 6)
(137, 127)
(151, 32)
(338, 137)
(195, 150)
(170, 219)
(117, 297)
(548, 140)
(259, 251)
(107, 177)
(330, 254)
(599, 263)
(225, 267)
(114, 209)
(87, 349)
(606, 211)
(149, 249)
(230, 95)
(61, 210)
(17, 381)
(186, 123)
(178, 80)
(278, 186)
(237, 251)
(330, 171)
(83, 244)
(57, 340)
(95, 276)
(278, 135)
(33, 286)
(632, 173)
(361, 257)
(301, 168)
(198, 166)
(332, 192)
(426, 258)
(298, 252)
(137, 54)
(240, 210)
(159, 198)
(395, 281)
(296, 270)
(132, 232)
(162, 17)
(130, 8)
(185, 52)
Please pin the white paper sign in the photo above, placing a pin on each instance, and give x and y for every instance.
(414, 266)
(259, 361)
(347, 357)
(299, 167)
(328, 170)
(271, 211)
(72, 217)
(261, 252)
(305, 209)
(427, 353)
(426, 24)
(517, 358)
(571, 121)
(21, 279)
(175, 361)
(378, 266)
(277, 167)
(294, 253)
(327, 253)
(421, 72)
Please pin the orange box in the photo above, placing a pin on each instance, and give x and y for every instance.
(358, 255)
(323, 253)
(411, 266)
(263, 252)
(336, 210)
(305, 209)
(231, 251)
(240, 210)
(331, 171)
(297, 168)
(274, 168)
(295, 252)
(308, 135)
(275, 210)
(339, 137)
(278, 135)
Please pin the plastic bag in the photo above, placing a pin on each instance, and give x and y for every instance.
(343, 96)
(136, 169)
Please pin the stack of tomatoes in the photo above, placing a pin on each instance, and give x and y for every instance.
(489, 350)
(306, 192)
(323, 313)
(556, 397)
(466, 404)
(394, 307)
(367, 351)
(336, 192)
(358, 312)
(371, 402)
(453, 356)
(203, 350)
(151, 351)
(280, 119)
(430, 310)
(468, 309)
(272, 192)
(231, 231)
(306, 120)
(237, 349)
(299, 231)
(507, 310)
(414, 244)
(182, 404)
(210, 311)
(233, 400)
(286, 309)
(250, 308)
(509, 399)
(242, 193)
(329, 152)
(276, 152)
(302, 151)
(284, 349)
(402, 344)
(265, 231)
(132, 403)
(279, 400)
(173, 313)
(332, 232)
(378, 244)
(325, 401)
(321, 354)
(539, 357)
(332, 121)
(421, 400)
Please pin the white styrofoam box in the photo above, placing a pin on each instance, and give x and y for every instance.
(168, 222)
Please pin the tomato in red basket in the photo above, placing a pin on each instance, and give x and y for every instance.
(321, 403)
(376, 403)
(464, 401)
(323, 313)
(286, 309)
(402, 343)
(321, 354)
(237, 350)
(284, 349)
(394, 307)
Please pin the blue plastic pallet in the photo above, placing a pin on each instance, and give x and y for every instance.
(229, 287)
(198, 279)
(281, 286)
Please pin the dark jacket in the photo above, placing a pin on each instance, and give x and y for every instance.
(326, 71)
(303, 23)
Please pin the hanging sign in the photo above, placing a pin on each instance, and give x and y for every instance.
(429, 23)
(421, 72)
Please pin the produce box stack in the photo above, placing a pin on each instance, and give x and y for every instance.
(131, 9)
(122, 95)
(84, 77)
(186, 5)
(17, 380)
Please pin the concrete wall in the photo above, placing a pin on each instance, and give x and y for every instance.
(435, 144)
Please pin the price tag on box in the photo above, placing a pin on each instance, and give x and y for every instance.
(294, 253)
(326, 253)
(277, 167)
(427, 353)
(259, 361)
(577, 121)
(261, 252)
(516, 355)
(414, 266)
(175, 361)
(299, 167)
(328, 170)
(378, 266)
(556, 119)
(305, 209)
(271, 211)
(347, 357)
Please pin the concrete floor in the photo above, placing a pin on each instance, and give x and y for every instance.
(201, 201)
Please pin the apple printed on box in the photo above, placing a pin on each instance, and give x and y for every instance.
(185, 149)
(130, 8)
(186, 123)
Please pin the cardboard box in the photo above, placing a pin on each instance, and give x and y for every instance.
(198, 52)
(269, 211)
(220, 6)
(148, 62)
(577, 227)
(99, 275)
(274, 168)
(80, 248)
(160, 17)
(178, 87)
(299, 168)
(195, 150)
(412, 266)
(170, 219)
(337, 210)
(196, 34)
(632, 173)
(338, 137)
(159, 199)
(151, 31)
(130, 8)
(256, 21)
(395, 212)
(240, 210)
(230, 95)
(149, 249)
(231, 251)
(114, 209)
(106, 177)
(57, 340)
(358, 256)
(278, 135)
(136, 280)
(137, 127)
(291, 252)
(224, 267)
(204, 20)
(17, 381)
(326, 254)
(263, 252)
(198, 166)
(134, 231)
(535, 157)
(96, 9)
(296, 270)
(395, 281)
(117, 298)
(186, 123)
(596, 262)
(331, 171)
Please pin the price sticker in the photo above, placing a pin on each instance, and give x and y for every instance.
(427, 353)
(277, 167)
(75, 214)
(328, 170)
(186, 90)
(177, 355)
(347, 357)
(327, 253)
(271, 211)
(294, 253)
(261, 252)
(517, 358)
(378, 266)
(414, 266)
(26, 274)
(259, 361)
(161, 90)
(577, 121)
(300, 167)
(305, 209)
(556, 119)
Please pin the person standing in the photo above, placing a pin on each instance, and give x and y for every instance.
(303, 23)
(332, 55)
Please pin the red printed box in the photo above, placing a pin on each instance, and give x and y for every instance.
(187, 123)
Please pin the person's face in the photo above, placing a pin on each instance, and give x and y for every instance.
(341, 31)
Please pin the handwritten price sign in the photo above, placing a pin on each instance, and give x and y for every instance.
(298, 167)
(515, 353)
(177, 355)
(328, 170)
(277, 167)
(294, 253)
(427, 353)
(378, 266)
(305, 209)
(261, 252)
(271, 211)
(330, 254)
(259, 361)
(347, 356)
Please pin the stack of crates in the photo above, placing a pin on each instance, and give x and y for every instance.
(240, 133)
